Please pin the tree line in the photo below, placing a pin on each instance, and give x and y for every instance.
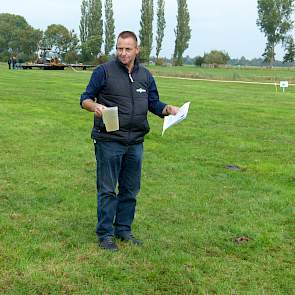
(96, 39)
(18, 38)
(91, 29)
(275, 21)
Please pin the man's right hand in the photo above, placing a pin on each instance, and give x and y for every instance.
(99, 109)
(92, 106)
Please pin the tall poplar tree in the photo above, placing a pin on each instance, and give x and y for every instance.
(146, 30)
(95, 27)
(289, 50)
(84, 21)
(161, 24)
(274, 20)
(109, 27)
(182, 32)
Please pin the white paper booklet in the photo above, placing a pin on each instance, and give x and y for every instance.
(172, 120)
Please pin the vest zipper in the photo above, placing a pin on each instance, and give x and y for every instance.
(132, 101)
(131, 79)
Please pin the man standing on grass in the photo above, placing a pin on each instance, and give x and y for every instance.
(129, 86)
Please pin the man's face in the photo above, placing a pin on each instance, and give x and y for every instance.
(127, 50)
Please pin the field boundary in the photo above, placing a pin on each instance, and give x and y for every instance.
(222, 81)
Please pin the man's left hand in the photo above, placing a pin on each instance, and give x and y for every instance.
(170, 110)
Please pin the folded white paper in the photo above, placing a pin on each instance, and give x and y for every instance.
(174, 119)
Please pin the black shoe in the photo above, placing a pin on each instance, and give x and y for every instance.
(128, 237)
(108, 244)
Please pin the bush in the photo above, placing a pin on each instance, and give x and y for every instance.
(199, 60)
(160, 62)
(101, 59)
(216, 57)
(22, 57)
(71, 57)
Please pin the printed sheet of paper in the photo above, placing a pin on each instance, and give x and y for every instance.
(172, 120)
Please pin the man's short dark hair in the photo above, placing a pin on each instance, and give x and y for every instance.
(127, 34)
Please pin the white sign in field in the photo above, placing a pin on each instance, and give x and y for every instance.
(284, 84)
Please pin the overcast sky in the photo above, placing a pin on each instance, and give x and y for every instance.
(228, 25)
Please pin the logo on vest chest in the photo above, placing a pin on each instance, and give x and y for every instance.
(140, 90)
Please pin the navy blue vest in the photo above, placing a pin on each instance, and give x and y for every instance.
(130, 94)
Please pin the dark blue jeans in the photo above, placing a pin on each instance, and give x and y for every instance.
(118, 174)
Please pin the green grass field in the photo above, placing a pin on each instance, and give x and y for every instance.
(192, 211)
(273, 75)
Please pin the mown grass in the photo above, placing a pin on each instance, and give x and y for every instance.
(270, 75)
(191, 208)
